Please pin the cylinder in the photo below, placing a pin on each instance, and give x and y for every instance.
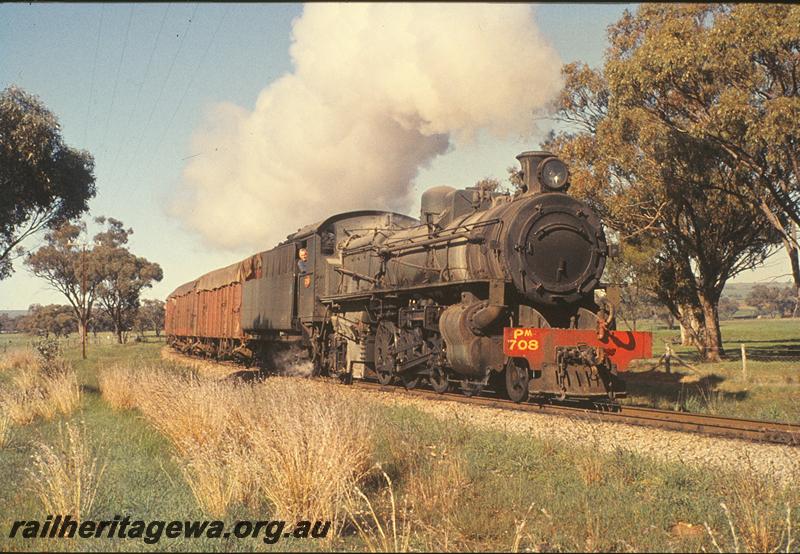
(468, 354)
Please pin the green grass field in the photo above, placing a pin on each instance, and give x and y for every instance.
(457, 487)
(770, 390)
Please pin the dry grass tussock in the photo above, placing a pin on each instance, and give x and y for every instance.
(205, 368)
(390, 532)
(218, 477)
(311, 444)
(65, 476)
(436, 485)
(296, 445)
(591, 469)
(424, 516)
(437, 495)
(759, 516)
(192, 412)
(39, 391)
(5, 430)
(19, 358)
(116, 386)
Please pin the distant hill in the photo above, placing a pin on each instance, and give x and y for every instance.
(14, 313)
(739, 291)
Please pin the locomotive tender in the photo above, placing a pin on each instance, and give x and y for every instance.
(487, 288)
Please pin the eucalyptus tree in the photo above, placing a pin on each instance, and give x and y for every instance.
(726, 75)
(660, 188)
(104, 272)
(125, 276)
(69, 266)
(43, 181)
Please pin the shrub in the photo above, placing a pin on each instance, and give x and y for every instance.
(50, 355)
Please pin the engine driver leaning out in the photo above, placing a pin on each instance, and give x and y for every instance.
(302, 263)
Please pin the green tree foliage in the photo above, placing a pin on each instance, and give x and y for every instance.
(103, 272)
(44, 182)
(8, 324)
(661, 183)
(124, 274)
(628, 270)
(772, 300)
(727, 307)
(100, 322)
(69, 266)
(662, 314)
(725, 75)
(150, 317)
(53, 319)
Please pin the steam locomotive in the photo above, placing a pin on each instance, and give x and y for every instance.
(486, 289)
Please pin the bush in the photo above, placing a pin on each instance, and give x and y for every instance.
(51, 360)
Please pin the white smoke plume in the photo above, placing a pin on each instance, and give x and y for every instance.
(292, 362)
(377, 92)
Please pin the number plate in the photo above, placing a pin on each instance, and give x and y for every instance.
(538, 345)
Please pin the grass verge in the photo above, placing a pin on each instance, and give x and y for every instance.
(418, 483)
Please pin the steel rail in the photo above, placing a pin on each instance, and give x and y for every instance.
(726, 427)
(702, 424)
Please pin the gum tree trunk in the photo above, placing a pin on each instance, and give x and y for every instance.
(691, 326)
(795, 263)
(713, 336)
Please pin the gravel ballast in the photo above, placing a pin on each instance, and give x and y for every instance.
(779, 462)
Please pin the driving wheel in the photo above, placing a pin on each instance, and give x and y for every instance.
(384, 352)
(438, 380)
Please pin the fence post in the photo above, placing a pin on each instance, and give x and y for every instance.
(744, 363)
(667, 356)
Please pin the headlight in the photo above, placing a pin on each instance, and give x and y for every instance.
(553, 174)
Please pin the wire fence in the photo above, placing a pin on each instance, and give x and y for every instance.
(11, 341)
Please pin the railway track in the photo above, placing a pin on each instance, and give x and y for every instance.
(703, 424)
(727, 427)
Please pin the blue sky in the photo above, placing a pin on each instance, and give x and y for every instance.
(132, 82)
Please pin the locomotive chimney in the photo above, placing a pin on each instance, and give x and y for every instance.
(530, 163)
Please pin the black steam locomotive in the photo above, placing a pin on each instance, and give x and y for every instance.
(486, 289)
